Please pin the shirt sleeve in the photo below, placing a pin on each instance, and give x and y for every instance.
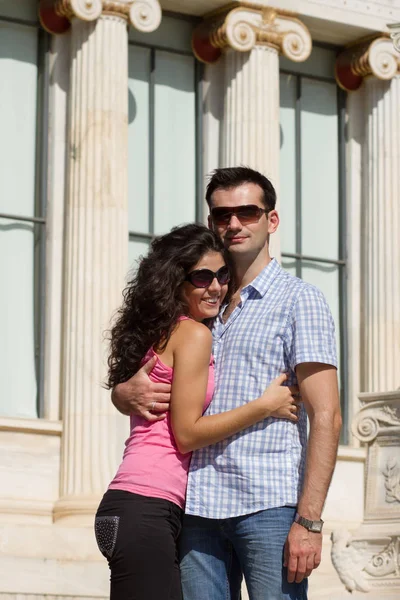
(310, 334)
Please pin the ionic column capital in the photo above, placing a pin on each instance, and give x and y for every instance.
(56, 15)
(372, 56)
(244, 25)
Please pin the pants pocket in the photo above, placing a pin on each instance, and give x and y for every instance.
(106, 531)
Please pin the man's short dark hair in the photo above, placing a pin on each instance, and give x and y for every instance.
(232, 177)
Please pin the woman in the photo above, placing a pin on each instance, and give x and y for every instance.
(179, 286)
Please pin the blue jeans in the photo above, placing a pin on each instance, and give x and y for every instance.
(215, 552)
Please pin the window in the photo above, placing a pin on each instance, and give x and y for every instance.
(164, 119)
(312, 185)
(22, 214)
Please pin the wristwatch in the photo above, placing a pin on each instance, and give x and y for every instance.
(313, 526)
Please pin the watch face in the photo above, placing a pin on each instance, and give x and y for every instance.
(316, 527)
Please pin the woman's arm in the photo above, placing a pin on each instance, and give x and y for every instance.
(192, 350)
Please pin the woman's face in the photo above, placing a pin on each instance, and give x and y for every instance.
(205, 303)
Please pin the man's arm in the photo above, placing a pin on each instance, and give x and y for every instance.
(142, 397)
(319, 391)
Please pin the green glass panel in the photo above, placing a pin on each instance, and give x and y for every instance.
(18, 89)
(287, 206)
(175, 141)
(319, 169)
(139, 138)
(17, 309)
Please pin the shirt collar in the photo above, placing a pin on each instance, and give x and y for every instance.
(264, 279)
(260, 284)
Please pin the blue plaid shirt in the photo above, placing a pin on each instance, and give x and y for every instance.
(280, 322)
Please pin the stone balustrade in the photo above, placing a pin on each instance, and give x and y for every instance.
(368, 561)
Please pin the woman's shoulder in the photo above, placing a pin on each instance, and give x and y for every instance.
(193, 330)
(192, 342)
(187, 337)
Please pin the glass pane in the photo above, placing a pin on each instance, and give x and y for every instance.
(22, 9)
(288, 163)
(289, 265)
(138, 134)
(136, 249)
(319, 169)
(17, 310)
(18, 81)
(321, 63)
(172, 33)
(175, 148)
(326, 278)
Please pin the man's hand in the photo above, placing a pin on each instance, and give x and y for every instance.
(142, 397)
(302, 553)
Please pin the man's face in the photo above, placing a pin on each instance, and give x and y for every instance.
(243, 239)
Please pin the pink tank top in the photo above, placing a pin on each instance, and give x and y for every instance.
(152, 464)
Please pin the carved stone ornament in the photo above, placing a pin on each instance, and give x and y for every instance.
(387, 561)
(358, 563)
(55, 15)
(391, 474)
(395, 35)
(379, 415)
(145, 15)
(369, 57)
(86, 10)
(243, 25)
(370, 559)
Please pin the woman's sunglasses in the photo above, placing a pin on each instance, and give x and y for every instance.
(202, 278)
(248, 213)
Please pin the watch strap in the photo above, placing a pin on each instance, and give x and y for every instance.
(314, 526)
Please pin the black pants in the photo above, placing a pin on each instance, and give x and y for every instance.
(138, 536)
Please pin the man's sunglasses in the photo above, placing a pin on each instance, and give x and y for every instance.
(202, 278)
(248, 213)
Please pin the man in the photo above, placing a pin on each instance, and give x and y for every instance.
(254, 501)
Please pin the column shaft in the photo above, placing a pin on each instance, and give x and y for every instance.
(381, 236)
(250, 133)
(96, 254)
(251, 114)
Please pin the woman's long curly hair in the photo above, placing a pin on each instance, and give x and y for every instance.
(152, 300)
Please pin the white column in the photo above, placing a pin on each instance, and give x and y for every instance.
(96, 254)
(251, 110)
(58, 92)
(251, 115)
(381, 236)
(250, 39)
(354, 149)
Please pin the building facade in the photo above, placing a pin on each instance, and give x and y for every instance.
(112, 115)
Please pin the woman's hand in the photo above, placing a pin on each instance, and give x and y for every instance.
(281, 401)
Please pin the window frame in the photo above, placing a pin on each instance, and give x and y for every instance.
(136, 236)
(39, 219)
(342, 261)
